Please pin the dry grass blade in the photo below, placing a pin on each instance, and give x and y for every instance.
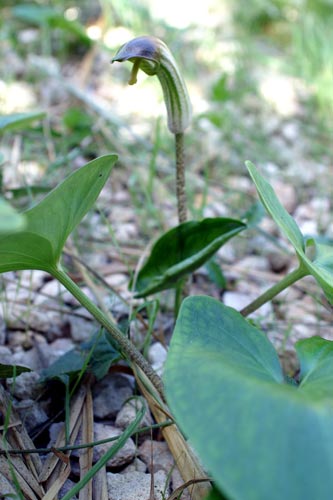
(187, 463)
(19, 438)
(6, 488)
(8, 469)
(58, 482)
(24, 467)
(179, 491)
(62, 468)
(86, 455)
(100, 485)
(75, 419)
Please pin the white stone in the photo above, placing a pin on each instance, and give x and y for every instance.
(240, 300)
(54, 289)
(124, 456)
(51, 352)
(157, 355)
(129, 411)
(136, 486)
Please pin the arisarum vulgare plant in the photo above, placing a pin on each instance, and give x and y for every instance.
(152, 56)
(188, 246)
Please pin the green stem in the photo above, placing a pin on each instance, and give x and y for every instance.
(125, 345)
(178, 297)
(180, 177)
(287, 281)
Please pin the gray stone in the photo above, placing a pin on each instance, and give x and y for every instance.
(68, 485)
(110, 394)
(129, 411)
(136, 486)
(54, 289)
(51, 352)
(124, 456)
(54, 431)
(48, 322)
(278, 261)
(25, 385)
(31, 413)
(81, 329)
(156, 455)
(6, 355)
(252, 262)
(136, 466)
(2, 330)
(30, 358)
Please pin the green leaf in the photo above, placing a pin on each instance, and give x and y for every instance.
(258, 436)
(280, 215)
(94, 356)
(18, 120)
(65, 368)
(10, 220)
(42, 15)
(321, 268)
(215, 273)
(102, 353)
(316, 359)
(182, 250)
(10, 371)
(254, 215)
(214, 494)
(51, 221)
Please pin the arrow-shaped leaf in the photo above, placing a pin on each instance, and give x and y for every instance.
(50, 222)
(17, 120)
(182, 250)
(321, 268)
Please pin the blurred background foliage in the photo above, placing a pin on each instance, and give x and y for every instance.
(55, 56)
(300, 28)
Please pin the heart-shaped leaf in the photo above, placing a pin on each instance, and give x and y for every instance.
(182, 250)
(50, 222)
(258, 436)
(321, 268)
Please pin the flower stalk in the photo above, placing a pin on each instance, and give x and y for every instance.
(152, 56)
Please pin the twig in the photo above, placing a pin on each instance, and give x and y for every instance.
(60, 449)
